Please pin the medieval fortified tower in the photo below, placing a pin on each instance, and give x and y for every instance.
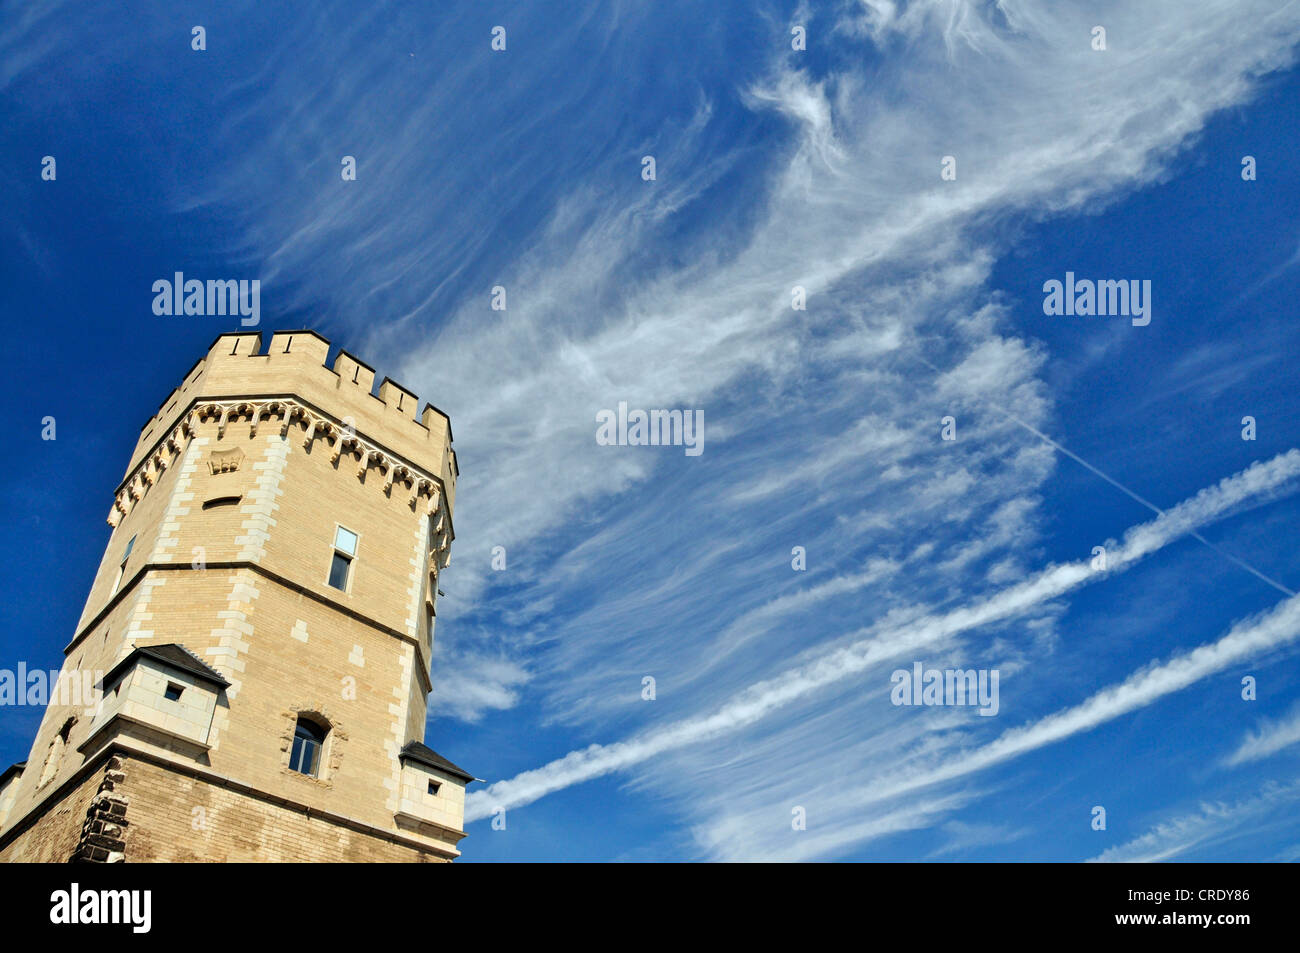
(263, 622)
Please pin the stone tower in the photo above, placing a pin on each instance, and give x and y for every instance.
(249, 677)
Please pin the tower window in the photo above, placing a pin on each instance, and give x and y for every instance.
(221, 501)
(173, 692)
(339, 571)
(345, 550)
(433, 787)
(121, 567)
(308, 740)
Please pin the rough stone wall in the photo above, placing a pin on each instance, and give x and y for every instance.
(175, 817)
(139, 812)
(103, 832)
(56, 836)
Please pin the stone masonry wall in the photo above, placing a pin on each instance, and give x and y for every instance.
(137, 811)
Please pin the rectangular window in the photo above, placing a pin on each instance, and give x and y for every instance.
(173, 692)
(345, 548)
(433, 787)
(339, 571)
(303, 756)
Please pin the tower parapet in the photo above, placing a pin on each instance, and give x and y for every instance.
(292, 371)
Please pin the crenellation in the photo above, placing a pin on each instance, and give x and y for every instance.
(294, 365)
(294, 383)
(432, 418)
(303, 345)
(352, 371)
(236, 343)
(399, 398)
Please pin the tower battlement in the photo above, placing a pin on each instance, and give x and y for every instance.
(295, 365)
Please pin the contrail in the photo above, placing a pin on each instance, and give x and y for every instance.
(1096, 471)
(762, 698)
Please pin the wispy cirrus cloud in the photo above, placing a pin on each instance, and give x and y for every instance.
(1268, 739)
(1214, 823)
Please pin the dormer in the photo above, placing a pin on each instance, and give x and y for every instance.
(160, 695)
(432, 795)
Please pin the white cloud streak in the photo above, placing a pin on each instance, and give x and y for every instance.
(1214, 823)
(1268, 739)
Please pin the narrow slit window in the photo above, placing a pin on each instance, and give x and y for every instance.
(121, 567)
(221, 501)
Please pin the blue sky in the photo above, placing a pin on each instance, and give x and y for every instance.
(775, 168)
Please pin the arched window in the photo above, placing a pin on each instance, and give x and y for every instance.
(308, 740)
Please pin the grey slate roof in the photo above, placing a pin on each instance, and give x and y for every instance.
(423, 754)
(173, 654)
